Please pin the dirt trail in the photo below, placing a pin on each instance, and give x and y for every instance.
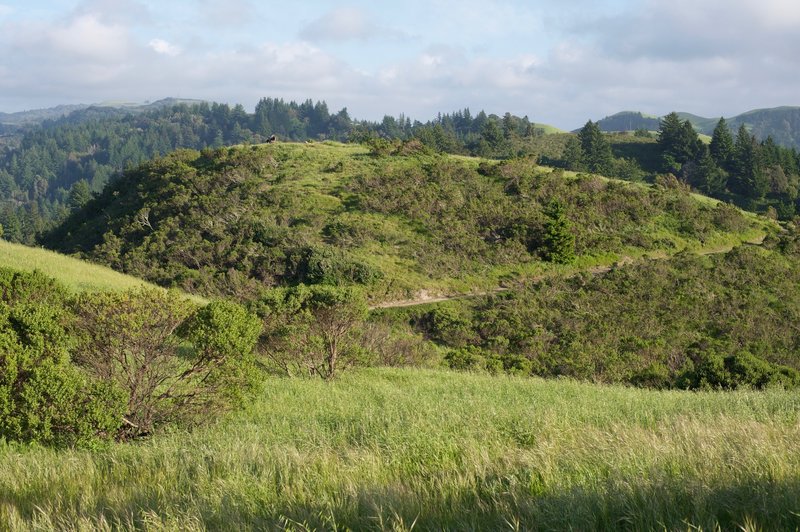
(424, 297)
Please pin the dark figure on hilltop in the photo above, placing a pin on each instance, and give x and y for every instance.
(272, 139)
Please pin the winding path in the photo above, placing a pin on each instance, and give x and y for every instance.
(424, 297)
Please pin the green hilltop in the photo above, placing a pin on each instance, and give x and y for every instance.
(396, 220)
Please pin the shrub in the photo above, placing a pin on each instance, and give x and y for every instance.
(132, 339)
(327, 265)
(312, 330)
(448, 325)
(469, 358)
(44, 398)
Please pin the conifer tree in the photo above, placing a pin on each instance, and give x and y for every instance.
(709, 177)
(559, 242)
(748, 176)
(596, 150)
(722, 145)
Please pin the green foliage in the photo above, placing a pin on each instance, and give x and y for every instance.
(316, 331)
(559, 242)
(223, 335)
(469, 358)
(449, 325)
(135, 340)
(721, 147)
(687, 322)
(234, 222)
(595, 148)
(328, 265)
(748, 177)
(79, 195)
(44, 398)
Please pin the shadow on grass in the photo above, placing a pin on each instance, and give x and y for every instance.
(497, 503)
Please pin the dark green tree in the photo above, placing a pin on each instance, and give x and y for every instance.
(710, 178)
(748, 177)
(79, 195)
(573, 155)
(722, 145)
(679, 145)
(559, 241)
(596, 150)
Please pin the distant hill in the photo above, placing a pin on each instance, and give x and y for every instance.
(109, 108)
(628, 121)
(781, 123)
(37, 116)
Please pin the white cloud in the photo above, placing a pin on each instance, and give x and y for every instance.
(711, 57)
(341, 24)
(86, 36)
(229, 13)
(348, 24)
(160, 46)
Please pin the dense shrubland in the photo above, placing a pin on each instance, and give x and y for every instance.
(236, 221)
(719, 322)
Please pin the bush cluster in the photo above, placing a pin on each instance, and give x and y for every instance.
(76, 370)
(689, 322)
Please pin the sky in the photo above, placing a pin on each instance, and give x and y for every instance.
(559, 62)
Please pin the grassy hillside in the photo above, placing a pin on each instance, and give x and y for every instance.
(715, 321)
(396, 449)
(75, 274)
(234, 221)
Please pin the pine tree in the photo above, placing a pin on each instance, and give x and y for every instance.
(722, 145)
(79, 194)
(709, 177)
(748, 176)
(573, 155)
(559, 242)
(596, 150)
(679, 144)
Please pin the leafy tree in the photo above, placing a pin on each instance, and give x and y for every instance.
(313, 331)
(44, 398)
(131, 339)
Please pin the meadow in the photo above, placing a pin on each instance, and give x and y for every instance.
(428, 449)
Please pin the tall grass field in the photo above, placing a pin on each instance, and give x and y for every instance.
(420, 449)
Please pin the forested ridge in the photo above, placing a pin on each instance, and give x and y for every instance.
(52, 169)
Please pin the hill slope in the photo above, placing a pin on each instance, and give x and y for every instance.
(75, 274)
(234, 221)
